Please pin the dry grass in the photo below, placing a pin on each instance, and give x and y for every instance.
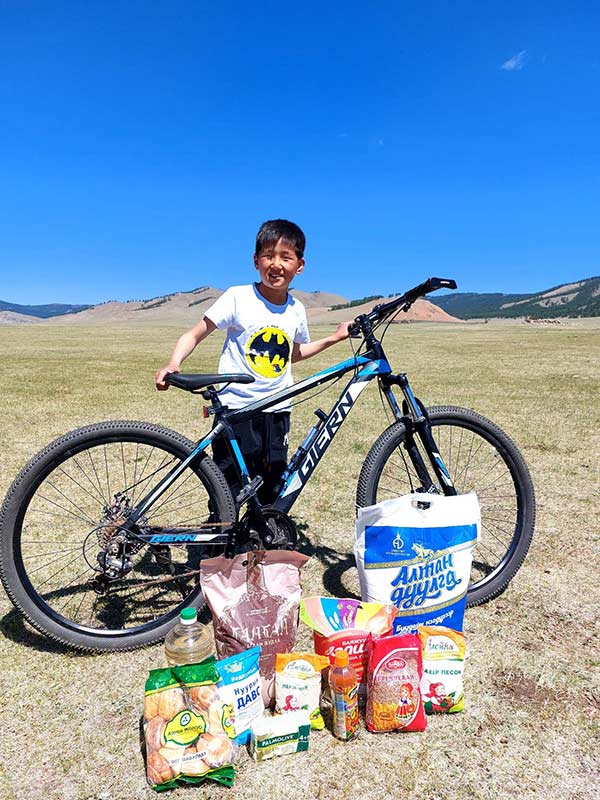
(70, 722)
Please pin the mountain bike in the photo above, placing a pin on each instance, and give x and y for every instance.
(103, 531)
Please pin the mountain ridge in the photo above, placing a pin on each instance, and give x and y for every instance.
(575, 299)
(186, 308)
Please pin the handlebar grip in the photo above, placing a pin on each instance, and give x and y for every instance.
(354, 329)
(430, 285)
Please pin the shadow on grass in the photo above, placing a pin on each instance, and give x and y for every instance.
(336, 564)
(13, 627)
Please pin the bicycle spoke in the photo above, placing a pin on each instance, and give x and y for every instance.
(66, 510)
(81, 562)
(135, 460)
(58, 571)
(109, 495)
(123, 463)
(75, 615)
(94, 470)
(85, 491)
(54, 552)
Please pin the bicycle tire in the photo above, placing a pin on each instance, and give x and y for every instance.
(65, 490)
(472, 447)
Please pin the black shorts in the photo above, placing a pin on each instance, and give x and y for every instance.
(263, 440)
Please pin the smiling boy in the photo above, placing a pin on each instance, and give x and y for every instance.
(267, 331)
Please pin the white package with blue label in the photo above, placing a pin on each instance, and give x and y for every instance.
(415, 552)
(240, 686)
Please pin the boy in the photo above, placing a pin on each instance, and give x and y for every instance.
(266, 332)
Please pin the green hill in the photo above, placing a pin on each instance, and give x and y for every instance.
(579, 299)
(43, 312)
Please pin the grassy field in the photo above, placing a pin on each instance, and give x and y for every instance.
(70, 722)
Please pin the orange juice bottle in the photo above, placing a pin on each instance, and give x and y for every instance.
(344, 697)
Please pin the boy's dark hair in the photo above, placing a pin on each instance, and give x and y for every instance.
(273, 230)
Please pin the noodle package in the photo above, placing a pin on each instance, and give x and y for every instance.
(394, 674)
(415, 552)
(254, 601)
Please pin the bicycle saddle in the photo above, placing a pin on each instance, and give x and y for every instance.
(192, 383)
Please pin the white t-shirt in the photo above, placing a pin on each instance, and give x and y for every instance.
(259, 342)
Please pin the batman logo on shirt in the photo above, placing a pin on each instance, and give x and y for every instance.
(268, 352)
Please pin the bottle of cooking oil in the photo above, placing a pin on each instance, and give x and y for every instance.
(188, 641)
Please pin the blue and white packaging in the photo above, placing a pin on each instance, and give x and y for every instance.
(415, 552)
(240, 686)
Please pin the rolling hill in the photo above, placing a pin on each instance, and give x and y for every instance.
(42, 312)
(186, 308)
(580, 299)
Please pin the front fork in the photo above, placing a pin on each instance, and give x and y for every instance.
(416, 421)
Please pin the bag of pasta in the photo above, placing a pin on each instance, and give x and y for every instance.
(393, 677)
(188, 728)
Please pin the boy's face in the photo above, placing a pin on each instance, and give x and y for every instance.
(277, 265)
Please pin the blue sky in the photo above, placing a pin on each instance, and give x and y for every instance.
(143, 143)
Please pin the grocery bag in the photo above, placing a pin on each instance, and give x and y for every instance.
(415, 552)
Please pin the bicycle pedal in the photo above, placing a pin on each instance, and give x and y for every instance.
(249, 490)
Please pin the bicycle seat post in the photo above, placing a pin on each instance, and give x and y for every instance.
(211, 395)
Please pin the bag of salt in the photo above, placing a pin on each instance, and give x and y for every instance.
(415, 552)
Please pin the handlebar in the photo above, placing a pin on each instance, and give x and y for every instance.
(404, 302)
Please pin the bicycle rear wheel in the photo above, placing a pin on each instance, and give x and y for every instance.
(66, 513)
(480, 458)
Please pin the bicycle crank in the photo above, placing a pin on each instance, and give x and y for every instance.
(269, 530)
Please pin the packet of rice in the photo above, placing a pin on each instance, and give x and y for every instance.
(443, 664)
(298, 685)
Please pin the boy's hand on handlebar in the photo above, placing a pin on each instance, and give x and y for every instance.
(161, 383)
(342, 331)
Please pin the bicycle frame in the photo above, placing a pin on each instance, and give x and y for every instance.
(373, 364)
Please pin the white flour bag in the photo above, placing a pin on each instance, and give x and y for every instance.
(415, 552)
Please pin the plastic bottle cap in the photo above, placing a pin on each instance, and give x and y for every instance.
(341, 658)
(188, 616)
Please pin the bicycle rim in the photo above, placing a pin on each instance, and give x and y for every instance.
(79, 504)
(480, 458)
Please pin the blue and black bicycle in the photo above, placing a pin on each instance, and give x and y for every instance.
(103, 531)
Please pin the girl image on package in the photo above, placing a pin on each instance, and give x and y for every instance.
(394, 674)
(444, 652)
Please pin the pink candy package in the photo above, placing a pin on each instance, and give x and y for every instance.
(254, 600)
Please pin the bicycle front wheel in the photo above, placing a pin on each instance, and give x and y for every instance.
(64, 523)
(480, 458)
